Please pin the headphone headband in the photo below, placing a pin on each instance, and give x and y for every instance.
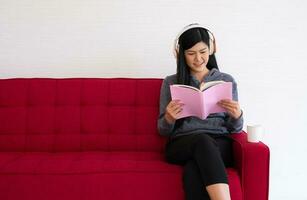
(191, 26)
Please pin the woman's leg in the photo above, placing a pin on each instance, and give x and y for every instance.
(225, 148)
(219, 191)
(205, 151)
(192, 182)
(207, 156)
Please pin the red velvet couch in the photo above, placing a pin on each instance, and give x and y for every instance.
(95, 138)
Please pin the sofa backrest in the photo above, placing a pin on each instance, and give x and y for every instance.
(79, 114)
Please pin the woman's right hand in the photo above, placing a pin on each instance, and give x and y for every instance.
(172, 111)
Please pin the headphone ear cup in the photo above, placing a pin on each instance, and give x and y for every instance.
(176, 49)
(176, 53)
(212, 47)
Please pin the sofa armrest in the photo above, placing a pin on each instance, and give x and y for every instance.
(252, 160)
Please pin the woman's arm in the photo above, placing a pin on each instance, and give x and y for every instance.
(234, 117)
(165, 128)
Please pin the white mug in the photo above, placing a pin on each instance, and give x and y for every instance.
(254, 133)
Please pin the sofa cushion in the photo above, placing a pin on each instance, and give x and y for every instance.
(79, 114)
(83, 162)
(132, 165)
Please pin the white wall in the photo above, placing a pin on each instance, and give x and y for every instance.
(261, 43)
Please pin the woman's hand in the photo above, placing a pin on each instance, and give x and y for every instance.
(232, 107)
(172, 111)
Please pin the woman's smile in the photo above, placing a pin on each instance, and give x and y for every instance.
(198, 65)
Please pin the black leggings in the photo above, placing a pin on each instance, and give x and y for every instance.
(204, 157)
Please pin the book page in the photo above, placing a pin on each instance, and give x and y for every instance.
(190, 98)
(206, 85)
(213, 95)
(186, 86)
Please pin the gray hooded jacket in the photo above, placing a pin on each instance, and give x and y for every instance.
(217, 123)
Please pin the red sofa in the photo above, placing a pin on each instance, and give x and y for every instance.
(95, 138)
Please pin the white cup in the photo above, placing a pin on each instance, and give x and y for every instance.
(254, 133)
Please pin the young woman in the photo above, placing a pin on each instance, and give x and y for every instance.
(203, 147)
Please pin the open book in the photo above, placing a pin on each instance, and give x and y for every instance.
(201, 102)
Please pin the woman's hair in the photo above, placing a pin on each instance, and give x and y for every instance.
(187, 40)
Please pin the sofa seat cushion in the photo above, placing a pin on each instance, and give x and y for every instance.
(82, 162)
(90, 162)
(34, 166)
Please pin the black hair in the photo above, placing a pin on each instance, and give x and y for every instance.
(187, 40)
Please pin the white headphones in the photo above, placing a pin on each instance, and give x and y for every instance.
(212, 48)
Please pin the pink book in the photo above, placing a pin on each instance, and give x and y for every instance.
(201, 102)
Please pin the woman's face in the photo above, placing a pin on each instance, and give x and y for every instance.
(197, 57)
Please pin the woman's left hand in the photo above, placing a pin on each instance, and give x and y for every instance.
(232, 107)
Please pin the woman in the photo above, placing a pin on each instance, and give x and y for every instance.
(203, 147)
